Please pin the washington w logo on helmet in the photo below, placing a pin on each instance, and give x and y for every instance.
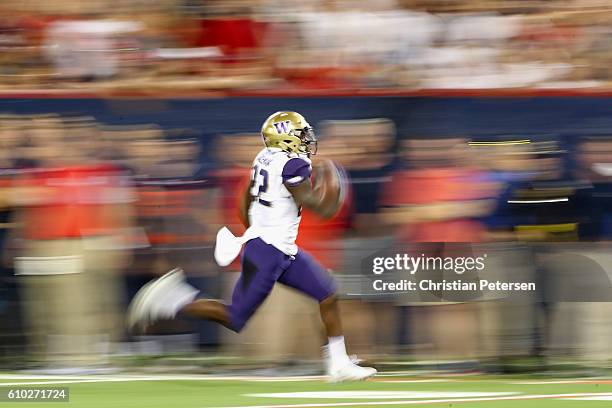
(282, 127)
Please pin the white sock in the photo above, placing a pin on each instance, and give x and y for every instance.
(326, 358)
(337, 351)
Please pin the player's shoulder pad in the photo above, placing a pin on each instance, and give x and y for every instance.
(296, 170)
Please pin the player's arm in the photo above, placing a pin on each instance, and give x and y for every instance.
(296, 178)
(308, 197)
(244, 204)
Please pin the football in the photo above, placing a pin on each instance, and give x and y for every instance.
(331, 181)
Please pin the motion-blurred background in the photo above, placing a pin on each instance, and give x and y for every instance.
(128, 127)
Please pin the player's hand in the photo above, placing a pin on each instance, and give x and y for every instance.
(322, 170)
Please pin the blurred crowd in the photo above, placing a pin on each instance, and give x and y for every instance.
(90, 212)
(195, 45)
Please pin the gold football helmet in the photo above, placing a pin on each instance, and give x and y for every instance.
(290, 132)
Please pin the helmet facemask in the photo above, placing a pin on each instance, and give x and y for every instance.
(308, 139)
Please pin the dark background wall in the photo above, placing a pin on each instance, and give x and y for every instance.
(414, 116)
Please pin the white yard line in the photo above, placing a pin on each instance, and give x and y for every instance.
(429, 401)
(375, 395)
(600, 398)
(43, 377)
(22, 379)
(433, 380)
(73, 379)
(574, 381)
(99, 380)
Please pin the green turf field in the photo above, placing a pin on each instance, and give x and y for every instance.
(189, 391)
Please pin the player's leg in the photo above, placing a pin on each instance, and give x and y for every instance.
(330, 315)
(306, 275)
(169, 295)
(165, 297)
(208, 309)
(262, 264)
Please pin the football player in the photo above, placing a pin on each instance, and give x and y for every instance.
(271, 209)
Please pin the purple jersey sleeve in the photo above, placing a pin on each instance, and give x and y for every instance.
(296, 171)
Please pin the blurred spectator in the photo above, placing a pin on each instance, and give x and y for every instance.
(86, 49)
(176, 209)
(307, 44)
(74, 212)
(235, 155)
(595, 166)
(452, 194)
(435, 201)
